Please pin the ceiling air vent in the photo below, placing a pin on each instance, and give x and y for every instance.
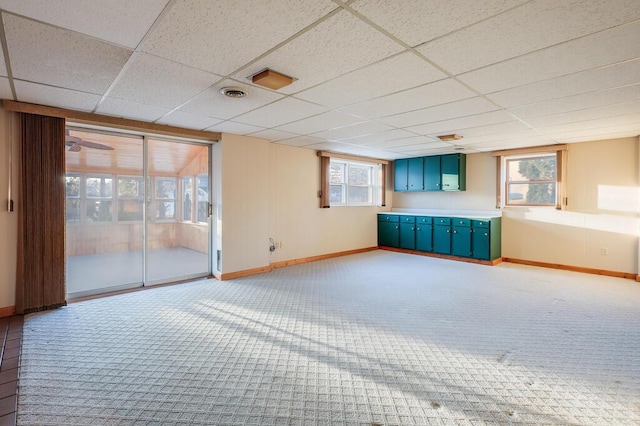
(233, 92)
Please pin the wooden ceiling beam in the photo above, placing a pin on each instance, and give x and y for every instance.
(114, 122)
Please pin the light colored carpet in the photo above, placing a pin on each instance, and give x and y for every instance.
(375, 338)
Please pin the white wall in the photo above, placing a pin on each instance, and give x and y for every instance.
(603, 191)
(8, 221)
(271, 191)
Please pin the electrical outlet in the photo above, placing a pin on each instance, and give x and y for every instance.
(604, 251)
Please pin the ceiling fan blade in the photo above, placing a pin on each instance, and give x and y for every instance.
(74, 147)
(72, 139)
(94, 145)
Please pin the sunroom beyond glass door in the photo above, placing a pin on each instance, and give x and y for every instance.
(104, 212)
(177, 211)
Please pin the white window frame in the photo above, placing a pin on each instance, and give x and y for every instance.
(374, 185)
(88, 199)
(157, 200)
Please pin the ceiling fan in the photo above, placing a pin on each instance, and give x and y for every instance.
(75, 143)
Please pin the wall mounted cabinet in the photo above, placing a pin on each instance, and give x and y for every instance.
(433, 173)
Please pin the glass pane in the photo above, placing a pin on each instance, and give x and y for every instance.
(203, 197)
(532, 193)
(177, 250)
(337, 171)
(166, 188)
(187, 200)
(129, 210)
(72, 185)
(539, 168)
(359, 175)
(104, 254)
(130, 187)
(336, 194)
(72, 210)
(166, 210)
(99, 211)
(99, 186)
(359, 195)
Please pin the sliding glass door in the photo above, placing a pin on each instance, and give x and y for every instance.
(177, 244)
(137, 211)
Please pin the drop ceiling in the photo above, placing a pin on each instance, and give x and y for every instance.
(373, 77)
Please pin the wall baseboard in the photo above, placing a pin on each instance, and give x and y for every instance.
(7, 311)
(272, 266)
(594, 271)
(443, 256)
(320, 257)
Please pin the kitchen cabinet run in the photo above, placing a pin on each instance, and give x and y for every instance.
(457, 236)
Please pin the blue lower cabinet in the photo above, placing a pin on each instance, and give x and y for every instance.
(424, 237)
(486, 238)
(408, 236)
(388, 231)
(461, 241)
(442, 239)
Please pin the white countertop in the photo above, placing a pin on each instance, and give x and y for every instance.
(468, 214)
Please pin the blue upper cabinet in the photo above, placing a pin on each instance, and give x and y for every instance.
(433, 173)
(453, 169)
(401, 175)
(415, 175)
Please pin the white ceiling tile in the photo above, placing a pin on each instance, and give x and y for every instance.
(234, 127)
(417, 21)
(155, 81)
(332, 146)
(189, 121)
(391, 75)
(589, 133)
(510, 144)
(377, 138)
(428, 152)
(300, 141)
(398, 144)
(531, 27)
(283, 111)
(214, 104)
(44, 54)
(54, 96)
(422, 144)
(515, 135)
(441, 112)
(578, 102)
(222, 36)
(122, 22)
(436, 93)
(606, 77)
(5, 89)
(334, 47)
(326, 121)
(600, 136)
(360, 129)
(120, 108)
(273, 135)
(604, 48)
(492, 129)
(457, 124)
(580, 127)
(585, 114)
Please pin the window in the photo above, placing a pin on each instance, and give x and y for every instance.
(202, 194)
(531, 180)
(72, 207)
(187, 198)
(99, 190)
(130, 198)
(353, 183)
(166, 189)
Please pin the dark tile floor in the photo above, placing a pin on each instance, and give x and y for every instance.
(11, 338)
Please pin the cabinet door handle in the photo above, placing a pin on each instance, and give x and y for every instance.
(417, 229)
(486, 235)
(412, 228)
(455, 232)
(448, 231)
